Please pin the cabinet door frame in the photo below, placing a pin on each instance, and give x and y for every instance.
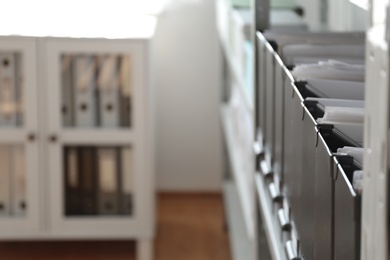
(93, 227)
(27, 135)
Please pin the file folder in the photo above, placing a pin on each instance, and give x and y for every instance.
(126, 91)
(340, 89)
(336, 115)
(72, 181)
(108, 181)
(85, 91)
(326, 51)
(323, 102)
(67, 90)
(356, 152)
(5, 181)
(19, 183)
(89, 179)
(347, 212)
(108, 82)
(128, 173)
(8, 90)
(19, 94)
(285, 38)
(351, 133)
(332, 69)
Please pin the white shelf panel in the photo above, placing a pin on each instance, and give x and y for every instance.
(233, 66)
(243, 187)
(270, 221)
(98, 136)
(240, 244)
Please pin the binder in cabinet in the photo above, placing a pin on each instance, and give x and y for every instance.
(109, 179)
(18, 177)
(5, 181)
(127, 166)
(72, 182)
(8, 89)
(87, 169)
(68, 107)
(108, 89)
(84, 82)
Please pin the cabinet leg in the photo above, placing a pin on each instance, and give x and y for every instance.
(145, 249)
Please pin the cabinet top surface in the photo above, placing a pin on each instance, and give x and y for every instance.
(82, 19)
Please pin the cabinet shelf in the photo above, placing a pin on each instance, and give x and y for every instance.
(242, 185)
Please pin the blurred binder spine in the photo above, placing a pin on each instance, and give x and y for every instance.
(18, 178)
(72, 182)
(109, 176)
(8, 90)
(85, 91)
(67, 90)
(108, 82)
(5, 183)
(125, 91)
(127, 167)
(89, 180)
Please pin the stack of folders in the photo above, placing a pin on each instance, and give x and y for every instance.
(96, 90)
(12, 181)
(11, 80)
(98, 181)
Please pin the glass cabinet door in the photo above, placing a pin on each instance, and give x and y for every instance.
(95, 118)
(19, 152)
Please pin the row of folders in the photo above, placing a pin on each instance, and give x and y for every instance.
(311, 120)
(95, 91)
(97, 181)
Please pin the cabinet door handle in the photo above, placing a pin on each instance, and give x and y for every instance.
(53, 138)
(31, 137)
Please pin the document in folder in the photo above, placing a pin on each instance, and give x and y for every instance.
(108, 181)
(85, 91)
(108, 83)
(331, 102)
(8, 90)
(343, 89)
(315, 59)
(333, 70)
(19, 188)
(5, 181)
(348, 115)
(356, 152)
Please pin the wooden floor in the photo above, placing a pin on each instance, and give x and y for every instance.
(189, 227)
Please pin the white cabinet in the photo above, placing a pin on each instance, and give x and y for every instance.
(18, 138)
(81, 140)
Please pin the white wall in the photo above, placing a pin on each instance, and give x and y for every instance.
(187, 60)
